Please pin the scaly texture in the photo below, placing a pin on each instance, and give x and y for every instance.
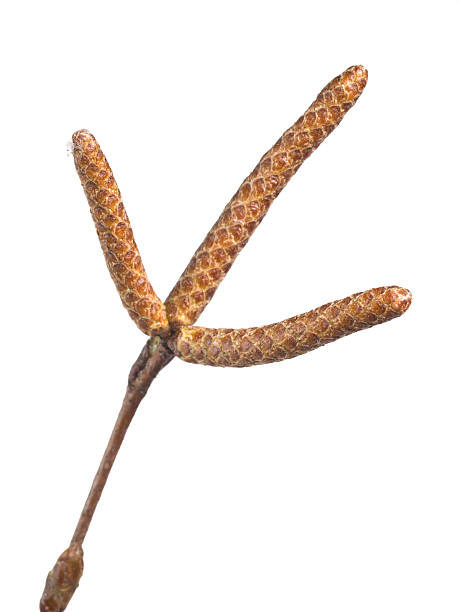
(305, 332)
(249, 205)
(116, 237)
(62, 580)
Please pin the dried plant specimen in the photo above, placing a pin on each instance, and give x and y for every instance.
(170, 325)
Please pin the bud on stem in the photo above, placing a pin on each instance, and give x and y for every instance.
(62, 580)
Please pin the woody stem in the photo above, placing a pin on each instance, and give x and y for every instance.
(153, 358)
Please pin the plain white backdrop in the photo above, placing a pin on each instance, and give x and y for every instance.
(324, 483)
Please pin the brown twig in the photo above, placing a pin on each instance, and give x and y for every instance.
(153, 358)
(63, 579)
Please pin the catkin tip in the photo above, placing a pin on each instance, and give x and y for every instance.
(354, 80)
(360, 72)
(63, 580)
(80, 138)
(400, 299)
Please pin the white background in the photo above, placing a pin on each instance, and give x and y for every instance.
(324, 483)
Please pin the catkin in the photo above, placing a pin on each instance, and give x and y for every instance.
(292, 337)
(251, 202)
(116, 237)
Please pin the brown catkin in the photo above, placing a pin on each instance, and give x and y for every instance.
(292, 337)
(116, 237)
(251, 202)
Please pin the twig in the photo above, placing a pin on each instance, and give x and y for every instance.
(63, 579)
(153, 358)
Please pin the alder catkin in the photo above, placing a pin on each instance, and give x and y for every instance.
(251, 202)
(291, 337)
(116, 237)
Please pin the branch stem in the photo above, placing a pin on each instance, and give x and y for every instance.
(152, 359)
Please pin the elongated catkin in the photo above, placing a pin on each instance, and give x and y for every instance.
(251, 202)
(116, 237)
(292, 337)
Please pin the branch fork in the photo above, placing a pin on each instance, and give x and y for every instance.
(170, 325)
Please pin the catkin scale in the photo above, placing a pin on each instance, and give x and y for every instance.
(291, 337)
(116, 238)
(247, 208)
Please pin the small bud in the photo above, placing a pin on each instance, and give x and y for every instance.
(62, 580)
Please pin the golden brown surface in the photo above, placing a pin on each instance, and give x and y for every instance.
(116, 237)
(249, 205)
(62, 580)
(292, 337)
